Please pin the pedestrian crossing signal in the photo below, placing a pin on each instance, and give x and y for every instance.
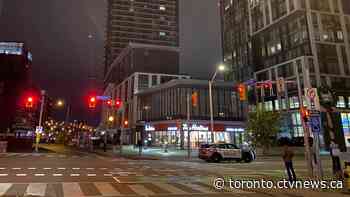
(242, 91)
(195, 99)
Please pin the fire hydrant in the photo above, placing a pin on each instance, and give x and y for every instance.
(347, 176)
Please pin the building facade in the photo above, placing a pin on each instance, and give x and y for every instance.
(169, 111)
(140, 21)
(126, 92)
(306, 41)
(136, 57)
(15, 66)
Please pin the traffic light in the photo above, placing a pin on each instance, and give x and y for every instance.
(30, 102)
(126, 123)
(195, 99)
(118, 103)
(305, 114)
(92, 102)
(242, 91)
(109, 103)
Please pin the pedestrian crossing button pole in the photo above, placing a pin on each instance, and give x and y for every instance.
(39, 129)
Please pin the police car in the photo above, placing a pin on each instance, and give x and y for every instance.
(224, 151)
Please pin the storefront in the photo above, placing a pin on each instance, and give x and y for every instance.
(345, 118)
(172, 134)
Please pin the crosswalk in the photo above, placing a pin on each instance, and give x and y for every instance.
(104, 189)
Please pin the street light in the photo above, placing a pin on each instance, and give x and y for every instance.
(111, 118)
(60, 103)
(220, 68)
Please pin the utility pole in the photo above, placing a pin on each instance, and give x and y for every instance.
(188, 127)
(38, 133)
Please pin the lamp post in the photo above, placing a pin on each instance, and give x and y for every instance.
(220, 68)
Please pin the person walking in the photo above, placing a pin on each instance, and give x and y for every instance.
(288, 155)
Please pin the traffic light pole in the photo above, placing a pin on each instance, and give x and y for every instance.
(188, 127)
(40, 120)
(211, 110)
(309, 164)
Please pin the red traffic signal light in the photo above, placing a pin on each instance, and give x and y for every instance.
(92, 102)
(109, 103)
(30, 102)
(118, 103)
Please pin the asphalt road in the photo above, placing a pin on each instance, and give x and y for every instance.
(76, 174)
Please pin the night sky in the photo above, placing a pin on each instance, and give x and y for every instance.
(56, 31)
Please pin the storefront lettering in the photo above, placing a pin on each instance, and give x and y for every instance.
(149, 128)
(234, 130)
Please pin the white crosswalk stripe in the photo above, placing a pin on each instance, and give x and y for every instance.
(75, 189)
(140, 189)
(4, 187)
(36, 189)
(170, 188)
(106, 189)
(72, 190)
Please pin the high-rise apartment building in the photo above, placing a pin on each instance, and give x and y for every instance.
(301, 40)
(152, 22)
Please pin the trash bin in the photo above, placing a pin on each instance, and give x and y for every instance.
(3, 146)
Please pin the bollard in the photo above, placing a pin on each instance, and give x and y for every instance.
(347, 177)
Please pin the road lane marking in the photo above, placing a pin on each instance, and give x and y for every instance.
(16, 168)
(57, 175)
(76, 168)
(2, 168)
(61, 168)
(116, 179)
(21, 174)
(90, 168)
(3, 174)
(47, 168)
(103, 168)
(36, 189)
(39, 174)
(74, 174)
(91, 174)
(107, 174)
(31, 168)
(4, 187)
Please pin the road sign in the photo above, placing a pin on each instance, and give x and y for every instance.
(280, 85)
(313, 101)
(315, 124)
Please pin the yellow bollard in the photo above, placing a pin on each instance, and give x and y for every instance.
(347, 176)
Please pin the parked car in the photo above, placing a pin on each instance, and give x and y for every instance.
(225, 151)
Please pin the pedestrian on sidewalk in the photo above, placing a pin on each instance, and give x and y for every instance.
(139, 144)
(288, 155)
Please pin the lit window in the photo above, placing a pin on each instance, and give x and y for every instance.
(162, 33)
(162, 7)
(279, 46)
(341, 102)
